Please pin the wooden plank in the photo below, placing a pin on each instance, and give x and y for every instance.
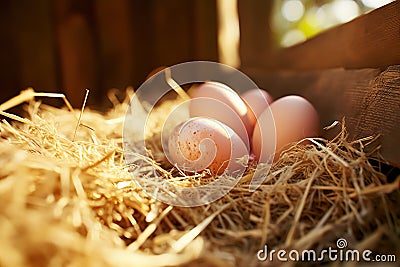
(368, 98)
(116, 43)
(378, 112)
(369, 41)
(36, 56)
(142, 32)
(77, 59)
(256, 36)
(184, 31)
(205, 34)
(172, 31)
(10, 84)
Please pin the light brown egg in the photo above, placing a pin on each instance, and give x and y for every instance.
(218, 101)
(202, 143)
(289, 119)
(257, 100)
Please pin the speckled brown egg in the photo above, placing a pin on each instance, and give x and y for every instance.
(203, 143)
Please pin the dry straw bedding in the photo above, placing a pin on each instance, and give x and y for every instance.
(68, 199)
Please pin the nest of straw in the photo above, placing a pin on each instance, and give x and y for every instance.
(67, 198)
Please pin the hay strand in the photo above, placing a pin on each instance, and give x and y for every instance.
(77, 203)
(81, 114)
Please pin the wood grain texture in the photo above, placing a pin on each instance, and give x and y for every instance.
(255, 30)
(9, 70)
(330, 91)
(183, 31)
(171, 32)
(116, 44)
(205, 33)
(77, 58)
(36, 46)
(378, 112)
(369, 99)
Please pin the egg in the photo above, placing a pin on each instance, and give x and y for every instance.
(257, 100)
(289, 119)
(218, 101)
(203, 143)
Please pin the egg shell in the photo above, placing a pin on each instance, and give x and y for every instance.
(257, 100)
(290, 119)
(218, 101)
(202, 143)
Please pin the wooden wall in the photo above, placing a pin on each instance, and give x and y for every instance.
(70, 45)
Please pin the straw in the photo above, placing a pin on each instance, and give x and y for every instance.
(67, 197)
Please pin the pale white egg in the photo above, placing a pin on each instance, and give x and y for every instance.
(257, 100)
(218, 101)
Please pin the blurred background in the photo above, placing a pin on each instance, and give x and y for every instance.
(69, 45)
